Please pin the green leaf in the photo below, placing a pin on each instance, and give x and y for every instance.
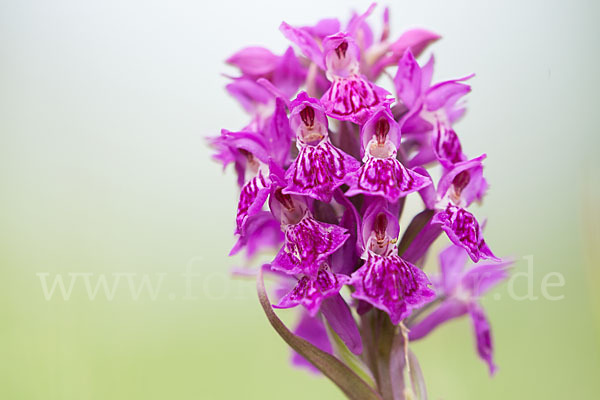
(351, 384)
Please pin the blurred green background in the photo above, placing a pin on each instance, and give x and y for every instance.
(104, 107)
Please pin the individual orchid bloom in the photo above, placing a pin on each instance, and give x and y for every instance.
(385, 280)
(376, 55)
(319, 293)
(311, 290)
(463, 184)
(254, 154)
(382, 174)
(308, 242)
(351, 96)
(320, 167)
(270, 140)
(456, 190)
(252, 166)
(461, 290)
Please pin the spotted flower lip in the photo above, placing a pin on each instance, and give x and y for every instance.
(382, 174)
(457, 189)
(310, 291)
(319, 170)
(385, 280)
(463, 230)
(446, 146)
(387, 178)
(392, 285)
(320, 167)
(252, 198)
(308, 242)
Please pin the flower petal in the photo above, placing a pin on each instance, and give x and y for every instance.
(483, 336)
(452, 263)
(319, 170)
(353, 98)
(254, 61)
(392, 285)
(261, 231)
(385, 177)
(311, 329)
(307, 44)
(463, 230)
(408, 80)
(252, 198)
(307, 243)
(446, 311)
(310, 291)
(481, 278)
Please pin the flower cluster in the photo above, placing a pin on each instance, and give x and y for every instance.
(325, 165)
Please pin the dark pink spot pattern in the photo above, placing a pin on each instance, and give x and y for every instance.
(310, 291)
(391, 284)
(252, 197)
(353, 99)
(319, 170)
(385, 177)
(447, 147)
(307, 244)
(463, 230)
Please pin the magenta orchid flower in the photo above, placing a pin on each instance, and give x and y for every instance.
(382, 174)
(308, 242)
(456, 190)
(320, 168)
(325, 165)
(386, 281)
